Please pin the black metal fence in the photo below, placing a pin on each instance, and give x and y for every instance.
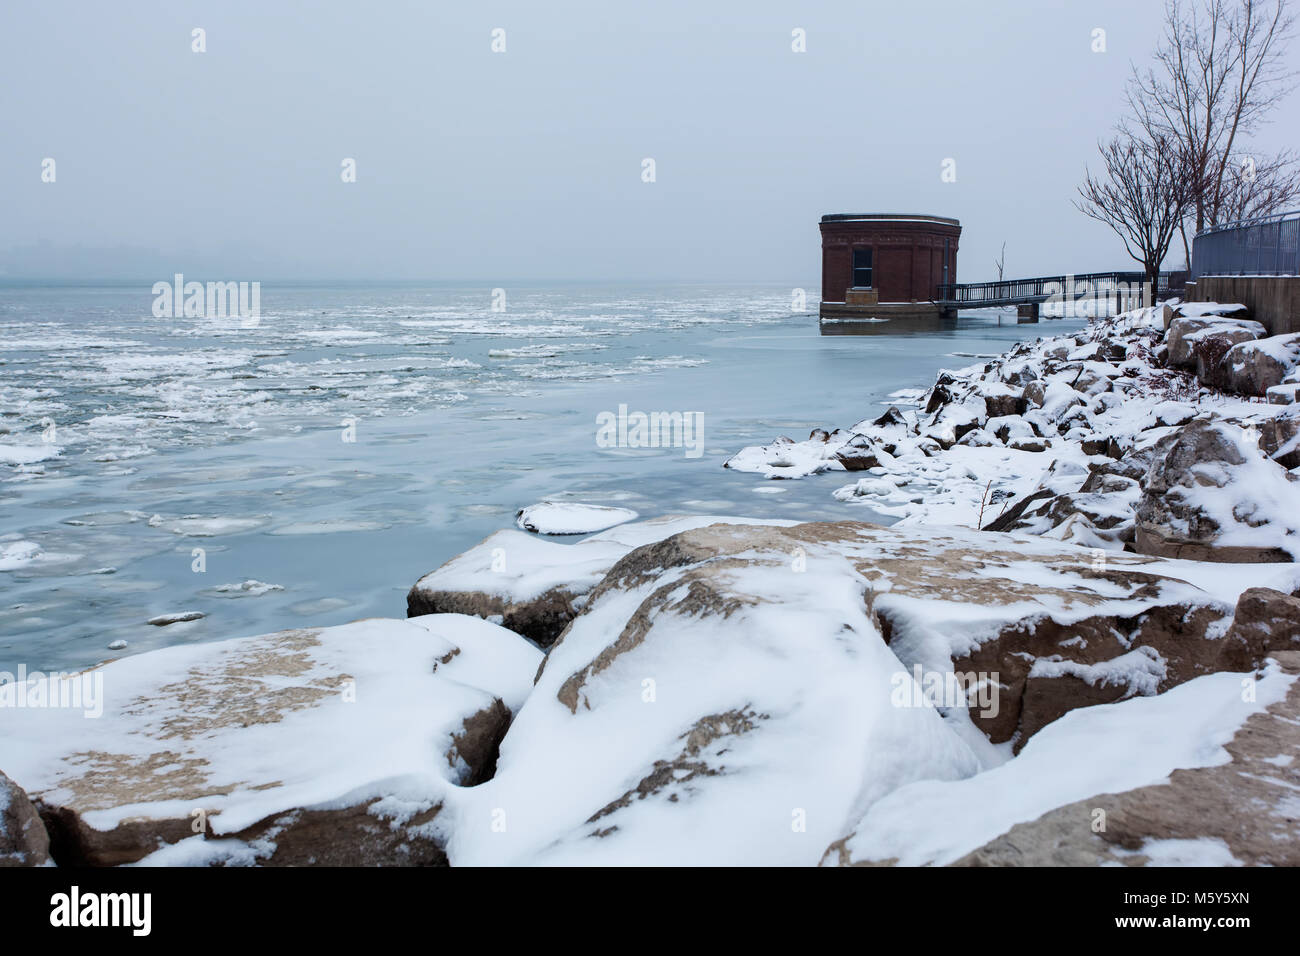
(1092, 285)
(1269, 245)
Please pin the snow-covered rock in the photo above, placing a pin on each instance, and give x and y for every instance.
(317, 745)
(23, 839)
(1279, 437)
(971, 458)
(1117, 758)
(1288, 393)
(570, 517)
(1265, 622)
(741, 694)
(1194, 818)
(175, 617)
(1254, 367)
(786, 458)
(533, 586)
(1214, 496)
(1199, 344)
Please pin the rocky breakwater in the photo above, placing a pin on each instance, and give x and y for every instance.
(1120, 437)
(1089, 600)
(724, 693)
(738, 693)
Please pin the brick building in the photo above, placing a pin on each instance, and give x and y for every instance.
(879, 265)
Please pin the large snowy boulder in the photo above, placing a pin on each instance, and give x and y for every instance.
(335, 745)
(535, 587)
(23, 840)
(1194, 818)
(1214, 496)
(1288, 393)
(1166, 776)
(738, 694)
(1255, 366)
(1279, 437)
(1200, 342)
(1266, 621)
(1096, 518)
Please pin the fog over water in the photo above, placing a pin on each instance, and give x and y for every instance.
(527, 163)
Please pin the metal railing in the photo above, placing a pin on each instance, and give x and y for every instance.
(1098, 285)
(1269, 245)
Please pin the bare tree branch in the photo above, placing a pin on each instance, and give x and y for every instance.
(1144, 194)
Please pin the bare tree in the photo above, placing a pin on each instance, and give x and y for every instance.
(1001, 261)
(1220, 68)
(1143, 196)
(1260, 185)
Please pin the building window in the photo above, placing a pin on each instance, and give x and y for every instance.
(862, 268)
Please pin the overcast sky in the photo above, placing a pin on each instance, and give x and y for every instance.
(527, 164)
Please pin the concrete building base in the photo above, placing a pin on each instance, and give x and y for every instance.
(1272, 300)
(841, 318)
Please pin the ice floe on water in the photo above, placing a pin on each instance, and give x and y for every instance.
(14, 454)
(570, 517)
(249, 588)
(545, 351)
(18, 554)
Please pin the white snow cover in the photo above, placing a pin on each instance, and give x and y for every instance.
(519, 567)
(666, 731)
(570, 517)
(812, 741)
(786, 458)
(1140, 671)
(930, 474)
(1133, 743)
(1283, 349)
(262, 724)
(1193, 310)
(1254, 504)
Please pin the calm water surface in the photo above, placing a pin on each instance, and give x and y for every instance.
(127, 441)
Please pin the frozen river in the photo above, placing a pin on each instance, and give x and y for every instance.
(360, 435)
